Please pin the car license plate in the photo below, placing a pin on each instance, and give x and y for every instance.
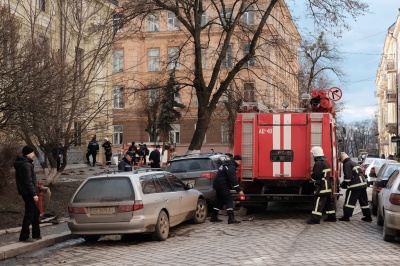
(102, 211)
(187, 182)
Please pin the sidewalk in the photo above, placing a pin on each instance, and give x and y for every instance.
(51, 233)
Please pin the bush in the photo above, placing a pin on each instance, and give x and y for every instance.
(8, 153)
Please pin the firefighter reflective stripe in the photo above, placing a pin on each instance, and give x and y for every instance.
(282, 140)
(325, 171)
(365, 207)
(330, 212)
(347, 202)
(315, 211)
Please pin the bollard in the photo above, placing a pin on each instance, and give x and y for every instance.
(39, 194)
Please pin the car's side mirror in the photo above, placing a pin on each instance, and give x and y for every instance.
(380, 183)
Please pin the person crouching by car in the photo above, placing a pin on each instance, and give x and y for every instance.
(126, 163)
(226, 178)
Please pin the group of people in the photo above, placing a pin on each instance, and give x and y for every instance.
(354, 182)
(128, 161)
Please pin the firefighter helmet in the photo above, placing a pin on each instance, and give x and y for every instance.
(343, 156)
(317, 151)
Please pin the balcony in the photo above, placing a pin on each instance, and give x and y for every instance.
(391, 97)
(390, 66)
(392, 128)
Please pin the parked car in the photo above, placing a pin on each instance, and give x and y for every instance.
(383, 174)
(130, 203)
(373, 169)
(198, 169)
(389, 206)
(366, 162)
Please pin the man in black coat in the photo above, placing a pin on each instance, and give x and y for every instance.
(126, 163)
(25, 178)
(225, 180)
(92, 149)
(155, 157)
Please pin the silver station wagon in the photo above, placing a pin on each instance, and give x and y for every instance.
(129, 203)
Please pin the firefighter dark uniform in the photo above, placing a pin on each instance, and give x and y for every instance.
(324, 200)
(107, 150)
(225, 180)
(354, 182)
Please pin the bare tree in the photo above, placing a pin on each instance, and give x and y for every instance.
(318, 59)
(226, 25)
(65, 90)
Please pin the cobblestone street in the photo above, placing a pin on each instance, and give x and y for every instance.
(277, 237)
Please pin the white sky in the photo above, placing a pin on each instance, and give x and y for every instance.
(361, 48)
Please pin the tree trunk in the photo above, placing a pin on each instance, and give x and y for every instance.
(203, 121)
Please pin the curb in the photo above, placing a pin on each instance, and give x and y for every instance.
(19, 248)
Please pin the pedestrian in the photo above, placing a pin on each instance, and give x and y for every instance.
(383, 156)
(145, 152)
(390, 157)
(92, 149)
(107, 150)
(155, 157)
(57, 153)
(126, 163)
(356, 189)
(225, 179)
(173, 154)
(323, 196)
(27, 187)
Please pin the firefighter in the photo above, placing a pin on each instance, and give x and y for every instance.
(226, 178)
(323, 195)
(354, 182)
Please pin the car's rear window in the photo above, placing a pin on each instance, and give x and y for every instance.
(190, 165)
(105, 190)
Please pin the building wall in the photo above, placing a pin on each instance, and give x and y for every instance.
(274, 74)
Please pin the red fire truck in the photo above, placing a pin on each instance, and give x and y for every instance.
(275, 146)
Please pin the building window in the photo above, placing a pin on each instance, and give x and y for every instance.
(42, 5)
(246, 49)
(118, 23)
(118, 60)
(118, 134)
(225, 95)
(118, 97)
(172, 21)
(153, 96)
(226, 18)
(248, 94)
(248, 16)
(203, 19)
(154, 60)
(173, 58)
(79, 62)
(203, 58)
(224, 133)
(227, 63)
(153, 22)
(177, 96)
(174, 134)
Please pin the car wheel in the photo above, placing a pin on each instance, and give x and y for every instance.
(388, 234)
(379, 218)
(162, 227)
(201, 212)
(91, 238)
